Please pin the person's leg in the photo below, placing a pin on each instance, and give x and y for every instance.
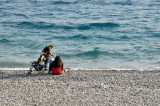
(45, 64)
(65, 71)
(62, 71)
(49, 71)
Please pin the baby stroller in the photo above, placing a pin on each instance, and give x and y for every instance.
(37, 65)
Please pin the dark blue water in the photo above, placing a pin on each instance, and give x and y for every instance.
(87, 34)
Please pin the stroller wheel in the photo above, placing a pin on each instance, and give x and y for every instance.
(30, 71)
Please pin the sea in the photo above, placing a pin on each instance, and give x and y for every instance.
(86, 34)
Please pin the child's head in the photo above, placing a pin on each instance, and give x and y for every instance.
(49, 56)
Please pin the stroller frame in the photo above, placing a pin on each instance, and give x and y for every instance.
(37, 65)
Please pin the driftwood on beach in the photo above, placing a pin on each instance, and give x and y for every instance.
(80, 87)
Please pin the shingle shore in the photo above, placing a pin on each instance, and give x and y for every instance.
(80, 88)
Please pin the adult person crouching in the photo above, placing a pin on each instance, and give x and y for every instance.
(46, 52)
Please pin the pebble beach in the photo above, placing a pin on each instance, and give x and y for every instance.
(80, 88)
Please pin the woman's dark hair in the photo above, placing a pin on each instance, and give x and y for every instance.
(57, 63)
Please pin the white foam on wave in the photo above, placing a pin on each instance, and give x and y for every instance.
(117, 69)
(72, 68)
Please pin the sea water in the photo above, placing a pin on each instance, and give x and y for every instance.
(86, 34)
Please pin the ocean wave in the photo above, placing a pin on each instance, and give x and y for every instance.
(108, 24)
(45, 25)
(83, 27)
(27, 24)
(91, 53)
(13, 64)
(119, 38)
(4, 40)
(95, 53)
(156, 35)
(38, 25)
(80, 37)
(62, 2)
(97, 25)
(74, 37)
(22, 15)
(128, 2)
(124, 54)
(98, 37)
